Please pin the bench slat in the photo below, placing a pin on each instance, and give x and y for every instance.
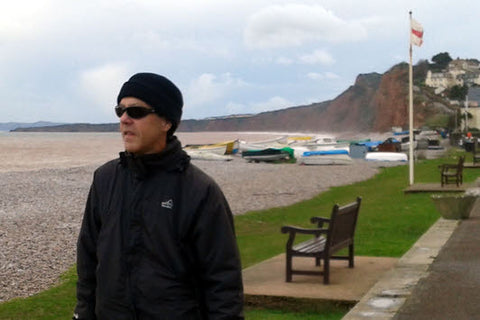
(311, 246)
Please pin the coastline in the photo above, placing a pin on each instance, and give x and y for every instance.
(44, 181)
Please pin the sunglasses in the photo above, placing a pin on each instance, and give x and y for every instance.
(134, 112)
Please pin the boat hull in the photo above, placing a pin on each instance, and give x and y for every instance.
(269, 154)
(386, 156)
(330, 157)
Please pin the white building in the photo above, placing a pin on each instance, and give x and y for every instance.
(458, 72)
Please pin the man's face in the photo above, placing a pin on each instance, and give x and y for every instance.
(145, 135)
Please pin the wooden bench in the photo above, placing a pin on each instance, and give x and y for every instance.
(452, 173)
(325, 242)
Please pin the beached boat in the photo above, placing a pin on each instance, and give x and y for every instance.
(207, 155)
(386, 156)
(221, 148)
(299, 140)
(323, 139)
(328, 146)
(326, 157)
(312, 141)
(269, 154)
(276, 143)
(353, 141)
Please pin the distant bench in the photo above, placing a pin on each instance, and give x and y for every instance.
(452, 173)
(325, 241)
(476, 152)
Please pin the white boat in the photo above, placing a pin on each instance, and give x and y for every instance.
(386, 156)
(312, 141)
(246, 146)
(207, 155)
(276, 143)
(325, 140)
(325, 157)
(327, 146)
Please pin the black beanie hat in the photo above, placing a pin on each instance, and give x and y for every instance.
(159, 92)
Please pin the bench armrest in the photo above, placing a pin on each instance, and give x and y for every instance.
(294, 230)
(319, 221)
(446, 167)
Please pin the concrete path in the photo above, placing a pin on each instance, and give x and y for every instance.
(452, 288)
(384, 300)
(438, 278)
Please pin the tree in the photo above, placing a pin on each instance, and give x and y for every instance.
(441, 60)
(458, 92)
(420, 71)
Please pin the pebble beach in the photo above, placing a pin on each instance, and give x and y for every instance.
(45, 177)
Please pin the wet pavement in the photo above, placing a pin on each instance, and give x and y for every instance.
(451, 289)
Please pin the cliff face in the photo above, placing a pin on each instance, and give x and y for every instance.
(353, 110)
(390, 101)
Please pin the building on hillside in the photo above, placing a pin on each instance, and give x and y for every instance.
(469, 65)
(459, 72)
(442, 80)
(471, 105)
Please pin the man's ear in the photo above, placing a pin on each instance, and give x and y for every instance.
(166, 125)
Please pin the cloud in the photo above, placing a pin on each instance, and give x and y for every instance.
(297, 24)
(209, 87)
(318, 57)
(284, 61)
(322, 76)
(235, 108)
(101, 85)
(22, 18)
(273, 103)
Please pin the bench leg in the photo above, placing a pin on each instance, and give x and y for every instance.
(288, 269)
(350, 256)
(326, 271)
(318, 261)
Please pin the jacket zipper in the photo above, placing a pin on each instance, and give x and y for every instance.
(127, 222)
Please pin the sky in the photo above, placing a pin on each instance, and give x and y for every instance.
(65, 60)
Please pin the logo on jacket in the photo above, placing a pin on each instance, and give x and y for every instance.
(167, 204)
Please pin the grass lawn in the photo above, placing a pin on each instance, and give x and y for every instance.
(389, 224)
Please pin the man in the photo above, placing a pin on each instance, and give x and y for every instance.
(157, 239)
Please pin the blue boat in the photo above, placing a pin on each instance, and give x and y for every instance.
(324, 152)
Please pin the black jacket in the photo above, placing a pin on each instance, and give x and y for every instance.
(157, 242)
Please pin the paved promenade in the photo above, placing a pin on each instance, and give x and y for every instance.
(438, 278)
(451, 289)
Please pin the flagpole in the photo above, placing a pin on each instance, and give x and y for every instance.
(410, 109)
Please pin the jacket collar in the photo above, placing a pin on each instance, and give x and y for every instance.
(172, 158)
